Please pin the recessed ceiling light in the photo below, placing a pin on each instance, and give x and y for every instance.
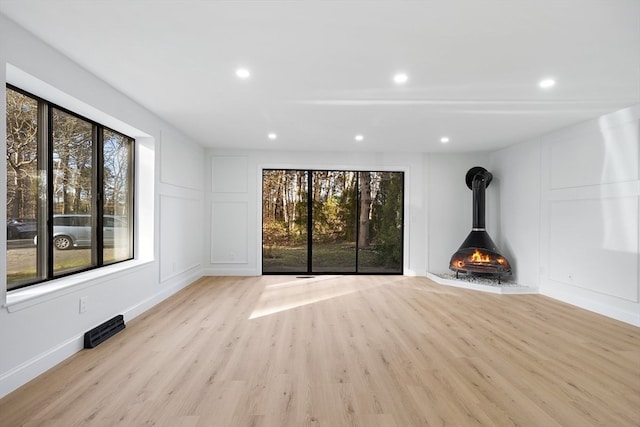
(243, 73)
(400, 78)
(359, 137)
(546, 83)
(272, 136)
(444, 139)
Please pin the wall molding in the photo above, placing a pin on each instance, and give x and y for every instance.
(229, 212)
(229, 271)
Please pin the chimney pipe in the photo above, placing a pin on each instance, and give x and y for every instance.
(480, 180)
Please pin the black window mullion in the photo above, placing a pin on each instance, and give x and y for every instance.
(357, 218)
(97, 252)
(50, 196)
(309, 222)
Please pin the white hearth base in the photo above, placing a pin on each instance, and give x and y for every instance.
(482, 284)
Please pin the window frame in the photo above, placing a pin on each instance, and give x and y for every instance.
(45, 269)
(310, 270)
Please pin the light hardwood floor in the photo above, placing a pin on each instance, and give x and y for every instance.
(345, 351)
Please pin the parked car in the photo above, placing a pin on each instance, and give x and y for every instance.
(75, 230)
(21, 228)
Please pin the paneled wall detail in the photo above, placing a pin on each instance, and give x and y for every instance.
(595, 155)
(229, 233)
(593, 244)
(229, 174)
(229, 213)
(179, 253)
(181, 161)
(590, 215)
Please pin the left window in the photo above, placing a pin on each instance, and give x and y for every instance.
(69, 192)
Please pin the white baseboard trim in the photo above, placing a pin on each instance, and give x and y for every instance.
(631, 316)
(22, 374)
(231, 272)
(27, 371)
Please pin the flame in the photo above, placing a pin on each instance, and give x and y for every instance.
(479, 257)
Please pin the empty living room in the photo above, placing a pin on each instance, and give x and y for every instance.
(345, 213)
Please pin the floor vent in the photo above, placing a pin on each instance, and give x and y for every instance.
(101, 332)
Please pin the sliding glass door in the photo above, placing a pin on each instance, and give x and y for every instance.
(285, 221)
(333, 243)
(332, 222)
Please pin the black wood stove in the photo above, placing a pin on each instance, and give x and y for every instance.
(478, 254)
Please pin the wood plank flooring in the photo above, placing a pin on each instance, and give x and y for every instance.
(345, 351)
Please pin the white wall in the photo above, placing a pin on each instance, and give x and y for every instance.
(590, 215)
(41, 325)
(516, 173)
(569, 213)
(234, 202)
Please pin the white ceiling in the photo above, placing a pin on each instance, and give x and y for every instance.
(322, 70)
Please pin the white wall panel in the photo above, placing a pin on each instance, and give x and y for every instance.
(606, 154)
(590, 217)
(229, 239)
(229, 174)
(593, 244)
(179, 253)
(181, 161)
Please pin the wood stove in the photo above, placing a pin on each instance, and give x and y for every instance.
(478, 254)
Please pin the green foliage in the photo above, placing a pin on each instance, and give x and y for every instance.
(386, 221)
(329, 224)
(347, 214)
(274, 233)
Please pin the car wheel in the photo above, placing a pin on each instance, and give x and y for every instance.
(62, 242)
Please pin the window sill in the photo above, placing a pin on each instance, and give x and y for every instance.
(21, 299)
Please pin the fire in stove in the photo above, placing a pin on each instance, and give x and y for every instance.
(478, 254)
(473, 260)
(480, 257)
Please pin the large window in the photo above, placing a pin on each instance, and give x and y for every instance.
(325, 222)
(69, 192)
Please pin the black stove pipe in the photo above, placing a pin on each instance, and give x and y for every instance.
(480, 180)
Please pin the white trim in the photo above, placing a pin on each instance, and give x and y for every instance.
(561, 293)
(227, 271)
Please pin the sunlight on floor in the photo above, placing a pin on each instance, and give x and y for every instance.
(287, 295)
